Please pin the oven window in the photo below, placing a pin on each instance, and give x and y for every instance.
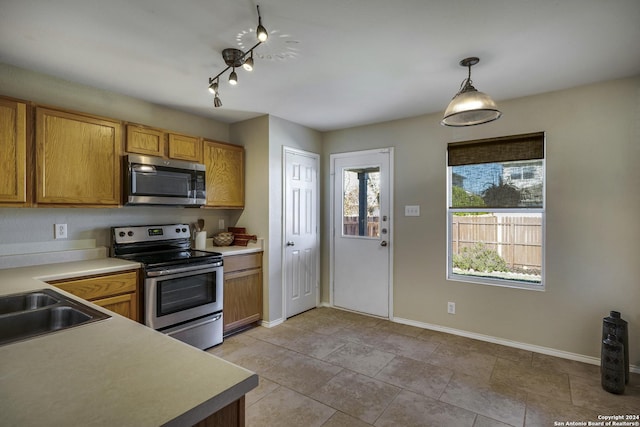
(184, 293)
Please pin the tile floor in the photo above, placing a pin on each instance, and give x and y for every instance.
(332, 368)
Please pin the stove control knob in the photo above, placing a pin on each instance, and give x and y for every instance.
(121, 234)
(130, 233)
(177, 230)
(184, 230)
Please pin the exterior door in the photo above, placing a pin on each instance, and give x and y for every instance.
(301, 238)
(362, 231)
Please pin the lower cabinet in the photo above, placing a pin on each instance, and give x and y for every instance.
(117, 292)
(242, 291)
(231, 415)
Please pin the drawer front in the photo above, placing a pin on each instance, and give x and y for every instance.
(100, 286)
(242, 262)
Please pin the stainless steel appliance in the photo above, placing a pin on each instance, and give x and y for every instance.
(157, 181)
(183, 287)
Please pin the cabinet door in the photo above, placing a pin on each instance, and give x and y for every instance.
(143, 140)
(94, 287)
(225, 174)
(125, 305)
(183, 147)
(116, 292)
(77, 159)
(13, 152)
(242, 298)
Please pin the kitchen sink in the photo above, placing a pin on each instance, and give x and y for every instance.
(29, 301)
(31, 314)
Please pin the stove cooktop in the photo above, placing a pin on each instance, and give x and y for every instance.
(165, 258)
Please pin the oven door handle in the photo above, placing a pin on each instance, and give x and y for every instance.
(176, 331)
(183, 269)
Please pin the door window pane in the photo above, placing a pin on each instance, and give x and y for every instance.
(361, 202)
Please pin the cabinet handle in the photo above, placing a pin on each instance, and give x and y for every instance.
(290, 243)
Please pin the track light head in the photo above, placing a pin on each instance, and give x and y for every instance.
(248, 63)
(213, 87)
(261, 32)
(233, 78)
(216, 101)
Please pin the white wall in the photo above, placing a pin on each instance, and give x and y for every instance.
(592, 228)
(264, 139)
(254, 136)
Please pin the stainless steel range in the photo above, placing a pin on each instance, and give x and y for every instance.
(182, 286)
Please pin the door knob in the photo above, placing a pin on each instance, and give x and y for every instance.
(290, 244)
(383, 243)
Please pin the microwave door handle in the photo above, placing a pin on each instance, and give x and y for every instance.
(144, 169)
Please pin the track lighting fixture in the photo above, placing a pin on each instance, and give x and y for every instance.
(235, 58)
(470, 107)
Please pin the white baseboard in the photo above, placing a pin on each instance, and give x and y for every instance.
(523, 346)
(272, 323)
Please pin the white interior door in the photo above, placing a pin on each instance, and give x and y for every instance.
(362, 232)
(301, 238)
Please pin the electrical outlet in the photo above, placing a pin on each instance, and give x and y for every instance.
(451, 307)
(412, 210)
(221, 224)
(60, 231)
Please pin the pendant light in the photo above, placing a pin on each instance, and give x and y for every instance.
(470, 107)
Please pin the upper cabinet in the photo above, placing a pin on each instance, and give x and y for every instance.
(225, 174)
(183, 147)
(158, 142)
(77, 159)
(13, 153)
(144, 140)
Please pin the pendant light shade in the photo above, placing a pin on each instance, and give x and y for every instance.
(470, 107)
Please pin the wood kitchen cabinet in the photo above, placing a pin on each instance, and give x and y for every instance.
(184, 147)
(13, 153)
(117, 292)
(242, 290)
(161, 143)
(145, 140)
(225, 174)
(77, 159)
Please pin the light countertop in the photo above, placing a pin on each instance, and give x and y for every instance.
(113, 372)
(235, 250)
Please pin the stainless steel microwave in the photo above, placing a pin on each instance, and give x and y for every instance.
(157, 181)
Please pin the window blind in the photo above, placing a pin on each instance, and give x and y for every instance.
(528, 146)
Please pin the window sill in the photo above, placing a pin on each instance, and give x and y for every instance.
(491, 281)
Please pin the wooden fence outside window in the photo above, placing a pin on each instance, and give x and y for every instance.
(518, 240)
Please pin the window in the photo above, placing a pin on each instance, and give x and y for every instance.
(361, 202)
(495, 212)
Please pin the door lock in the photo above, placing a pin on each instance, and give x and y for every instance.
(383, 243)
(290, 243)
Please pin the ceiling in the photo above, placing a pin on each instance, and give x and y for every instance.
(328, 64)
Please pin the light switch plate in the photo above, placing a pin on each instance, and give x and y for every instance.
(412, 210)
